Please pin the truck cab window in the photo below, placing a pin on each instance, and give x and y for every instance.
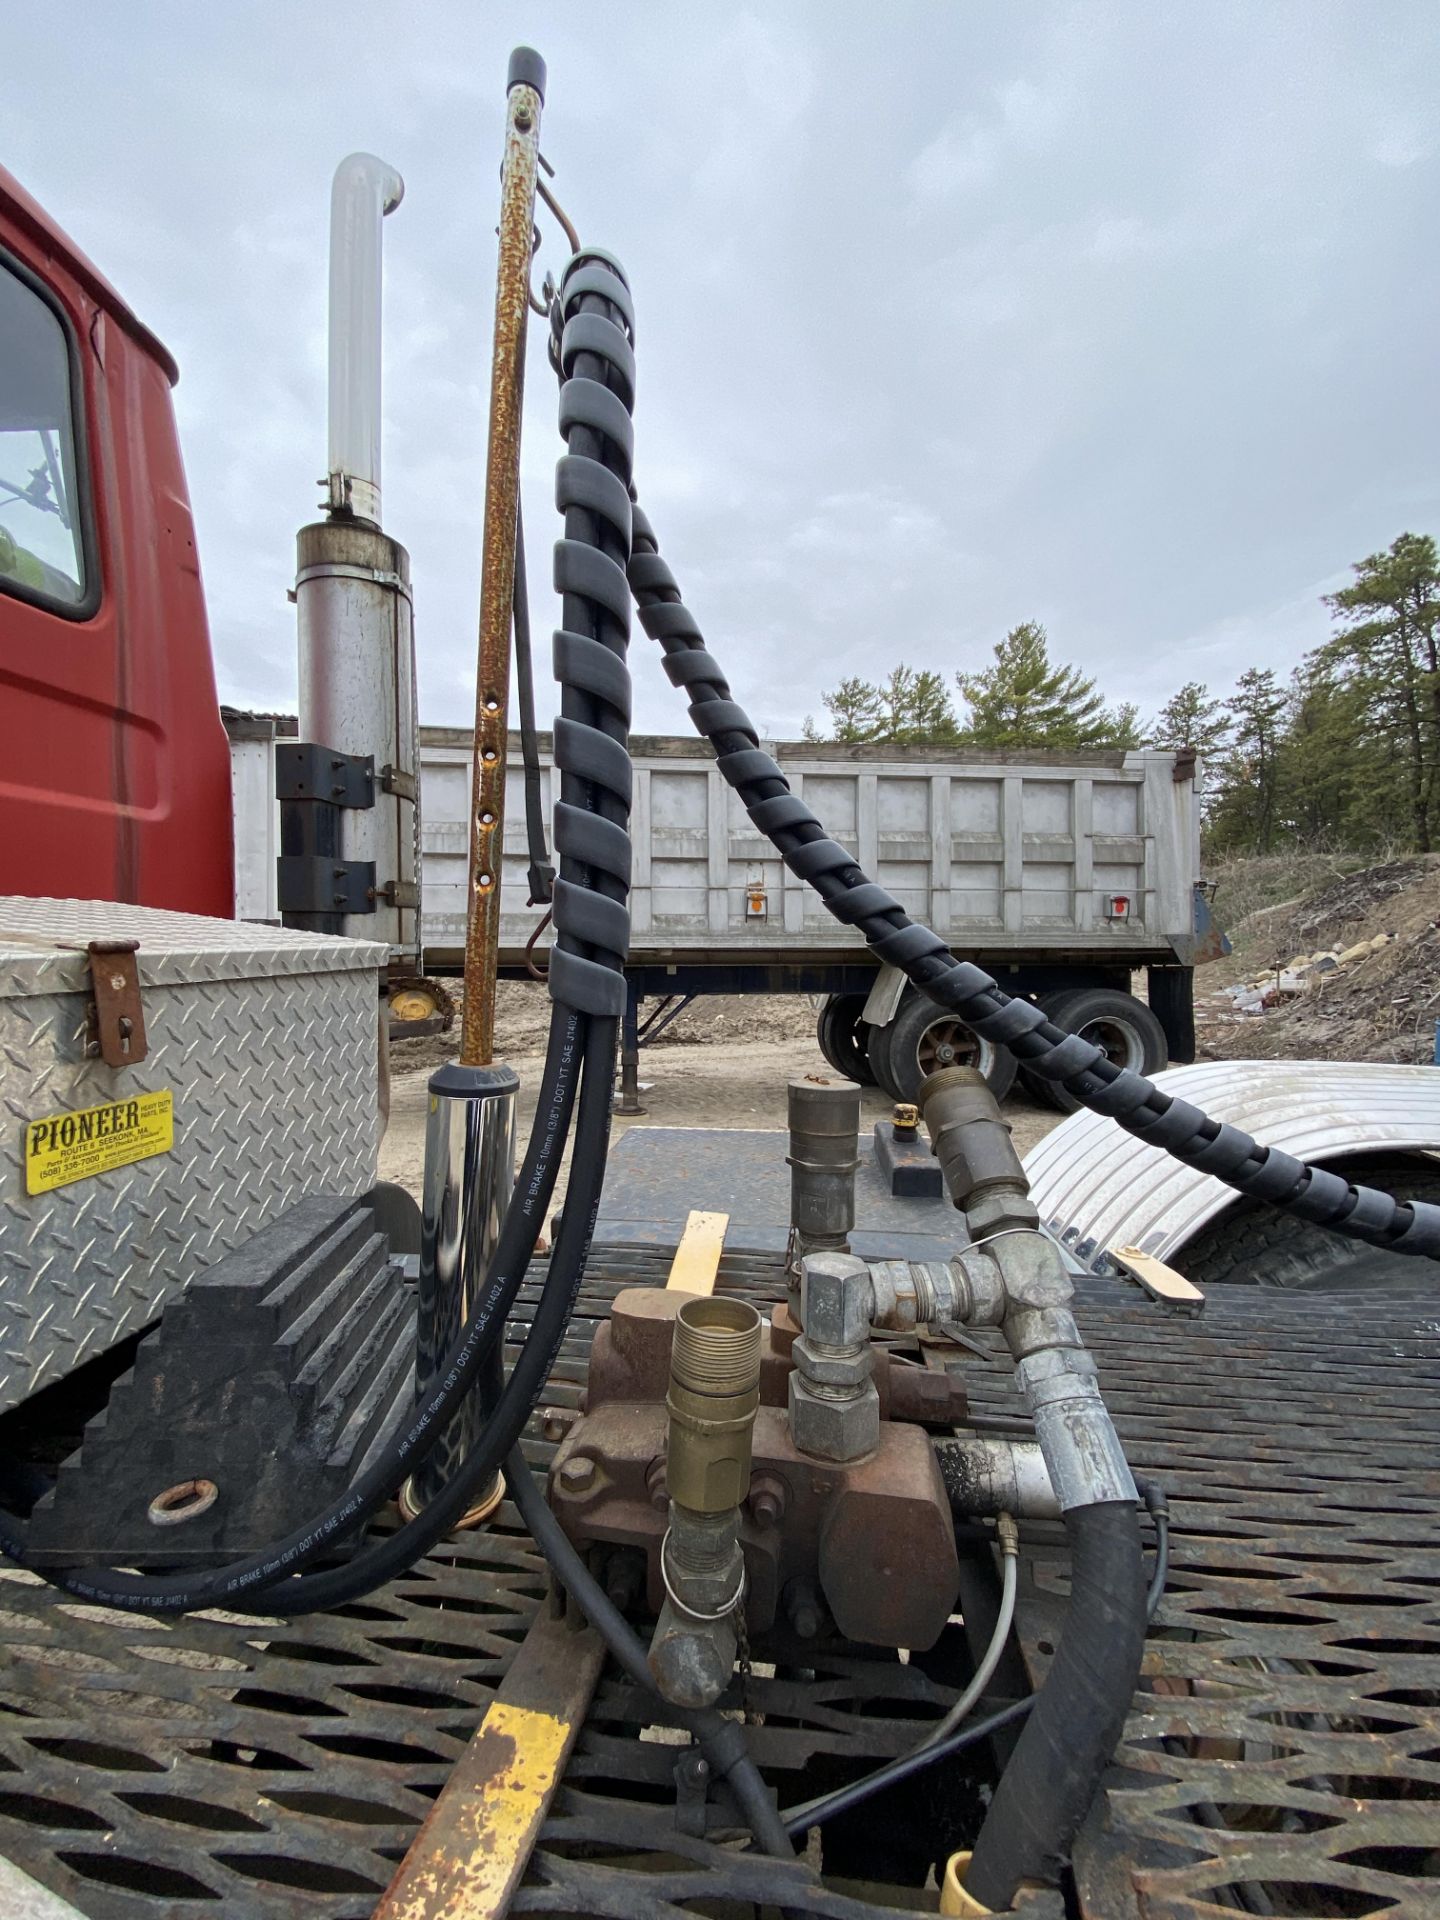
(40, 524)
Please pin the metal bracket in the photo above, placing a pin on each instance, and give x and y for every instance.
(395, 780)
(692, 1787)
(304, 771)
(119, 1014)
(311, 883)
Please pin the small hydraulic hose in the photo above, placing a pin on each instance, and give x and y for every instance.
(980, 1680)
(722, 1740)
(1158, 1508)
(1263, 1173)
(814, 1813)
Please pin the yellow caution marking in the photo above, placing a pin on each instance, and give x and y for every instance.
(65, 1147)
(697, 1258)
(472, 1851)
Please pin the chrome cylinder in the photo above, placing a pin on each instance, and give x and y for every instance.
(824, 1122)
(469, 1174)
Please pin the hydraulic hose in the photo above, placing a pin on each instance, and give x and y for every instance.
(815, 1812)
(1263, 1173)
(1046, 1788)
(721, 1740)
(586, 981)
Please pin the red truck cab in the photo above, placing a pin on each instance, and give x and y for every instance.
(114, 765)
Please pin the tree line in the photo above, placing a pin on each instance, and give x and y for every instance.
(1342, 753)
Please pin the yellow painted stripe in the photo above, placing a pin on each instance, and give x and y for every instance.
(470, 1874)
(697, 1258)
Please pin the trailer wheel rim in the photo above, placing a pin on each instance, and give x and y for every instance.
(1120, 1043)
(950, 1043)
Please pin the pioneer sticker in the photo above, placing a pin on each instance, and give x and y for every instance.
(66, 1147)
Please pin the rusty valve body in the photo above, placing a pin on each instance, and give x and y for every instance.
(862, 1547)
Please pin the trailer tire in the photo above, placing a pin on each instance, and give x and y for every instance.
(1040, 1090)
(842, 1037)
(1250, 1244)
(1123, 1026)
(924, 1037)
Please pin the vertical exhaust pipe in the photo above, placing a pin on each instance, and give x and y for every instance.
(355, 629)
(364, 190)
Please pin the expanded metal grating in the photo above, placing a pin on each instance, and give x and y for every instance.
(1284, 1757)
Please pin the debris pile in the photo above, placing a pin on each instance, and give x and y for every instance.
(1350, 972)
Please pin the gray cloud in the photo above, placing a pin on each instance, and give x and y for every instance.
(1118, 317)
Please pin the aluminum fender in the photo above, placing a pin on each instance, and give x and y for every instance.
(1098, 1187)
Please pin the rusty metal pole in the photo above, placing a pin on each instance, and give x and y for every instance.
(497, 581)
(470, 1126)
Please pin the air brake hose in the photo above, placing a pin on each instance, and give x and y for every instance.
(1312, 1194)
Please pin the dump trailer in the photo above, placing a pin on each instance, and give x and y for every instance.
(1069, 874)
(884, 1545)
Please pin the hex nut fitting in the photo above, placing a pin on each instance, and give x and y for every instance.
(834, 1429)
(826, 1367)
(835, 1299)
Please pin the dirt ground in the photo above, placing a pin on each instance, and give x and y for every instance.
(724, 1063)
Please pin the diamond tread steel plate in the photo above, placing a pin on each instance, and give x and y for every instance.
(267, 1040)
(1283, 1755)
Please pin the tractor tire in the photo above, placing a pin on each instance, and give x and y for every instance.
(842, 1036)
(1251, 1244)
(1123, 1027)
(922, 1038)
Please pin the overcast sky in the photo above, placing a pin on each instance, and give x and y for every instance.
(1119, 317)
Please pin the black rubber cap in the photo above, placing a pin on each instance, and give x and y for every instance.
(527, 69)
(455, 1082)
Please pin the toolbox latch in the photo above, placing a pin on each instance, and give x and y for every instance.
(119, 1014)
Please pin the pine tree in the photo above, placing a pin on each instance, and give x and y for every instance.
(910, 707)
(854, 709)
(1191, 718)
(915, 707)
(1246, 812)
(1387, 649)
(1024, 700)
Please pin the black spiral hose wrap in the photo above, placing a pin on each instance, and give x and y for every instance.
(1262, 1173)
(592, 323)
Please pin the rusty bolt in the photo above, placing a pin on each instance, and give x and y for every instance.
(767, 1499)
(553, 1422)
(803, 1609)
(905, 1120)
(577, 1473)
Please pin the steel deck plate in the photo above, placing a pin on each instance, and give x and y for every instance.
(1283, 1755)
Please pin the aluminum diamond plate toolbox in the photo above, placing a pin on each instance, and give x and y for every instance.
(266, 1040)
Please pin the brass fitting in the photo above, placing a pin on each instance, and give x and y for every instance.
(712, 1401)
(977, 1156)
(714, 1392)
